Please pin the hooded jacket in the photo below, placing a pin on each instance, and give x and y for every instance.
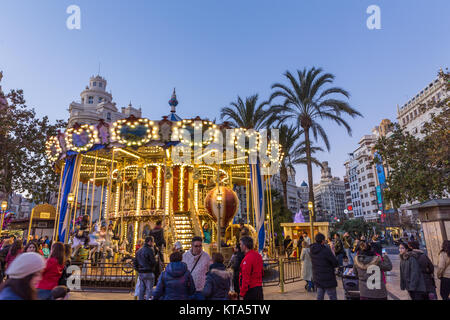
(323, 264)
(411, 277)
(218, 282)
(175, 283)
(427, 268)
(362, 262)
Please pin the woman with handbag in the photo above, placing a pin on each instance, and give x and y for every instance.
(443, 270)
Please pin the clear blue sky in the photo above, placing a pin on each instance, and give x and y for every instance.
(212, 51)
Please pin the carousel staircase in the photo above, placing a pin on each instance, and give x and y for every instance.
(184, 229)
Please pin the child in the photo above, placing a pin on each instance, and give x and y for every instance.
(45, 251)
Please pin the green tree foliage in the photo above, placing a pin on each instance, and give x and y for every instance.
(418, 169)
(23, 163)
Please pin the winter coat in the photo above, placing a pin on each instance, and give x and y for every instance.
(236, 267)
(361, 263)
(200, 270)
(158, 235)
(252, 271)
(305, 257)
(443, 270)
(218, 283)
(323, 265)
(411, 277)
(348, 242)
(427, 268)
(8, 294)
(51, 274)
(145, 261)
(338, 247)
(175, 283)
(65, 276)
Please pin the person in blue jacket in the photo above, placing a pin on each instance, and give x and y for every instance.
(176, 282)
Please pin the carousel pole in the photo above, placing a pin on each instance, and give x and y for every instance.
(77, 188)
(101, 202)
(93, 191)
(87, 196)
(247, 194)
(122, 204)
(56, 227)
(108, 200)
(271, 215)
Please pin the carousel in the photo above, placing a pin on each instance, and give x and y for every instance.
(125, 176)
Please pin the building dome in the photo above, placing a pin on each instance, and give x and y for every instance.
(304, 184)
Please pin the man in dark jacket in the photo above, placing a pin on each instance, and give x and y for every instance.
(323, 264)
(376, 245)
(218, 280)
(158, 234)
(236, 260)
(145, 263)
(427, 268)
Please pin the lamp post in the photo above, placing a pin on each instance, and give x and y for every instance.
(70, 200)
(311, 215)
(4, 207)
(219, 206)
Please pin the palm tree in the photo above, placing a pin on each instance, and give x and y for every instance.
(306, 101)
(294, 154)
(246, 114)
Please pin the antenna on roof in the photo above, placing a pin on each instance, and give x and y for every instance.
(98, 69)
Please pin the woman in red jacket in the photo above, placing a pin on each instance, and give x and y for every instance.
(52, 272)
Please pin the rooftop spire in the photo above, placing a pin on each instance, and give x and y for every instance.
(173, 102)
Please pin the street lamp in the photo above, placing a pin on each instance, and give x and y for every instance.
(4, 207)
(311, 215)
(70, 200)
(219, 206)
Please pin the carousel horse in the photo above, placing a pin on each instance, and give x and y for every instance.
(96, 239)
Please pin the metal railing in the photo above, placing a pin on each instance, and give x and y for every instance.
(106, 275)
(120, 276)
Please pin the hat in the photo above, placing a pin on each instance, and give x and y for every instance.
(25, 264)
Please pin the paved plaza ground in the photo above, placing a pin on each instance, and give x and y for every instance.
(292, 291)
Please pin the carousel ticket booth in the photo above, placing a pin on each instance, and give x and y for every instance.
(151, 171)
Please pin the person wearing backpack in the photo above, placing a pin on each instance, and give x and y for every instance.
(145, 264)
(176, 282)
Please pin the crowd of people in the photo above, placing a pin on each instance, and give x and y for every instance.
(417, 275)
(34, 272)
(39, 270)
(195, 275)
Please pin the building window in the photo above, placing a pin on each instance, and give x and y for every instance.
(100, 84)
(90, 100)
(95, 84)
(108, 116)
(100, 99)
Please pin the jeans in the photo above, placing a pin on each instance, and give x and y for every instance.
(348, 252)
(146, 281)
(331, 292)
(310, 285)
(340, 258)
(45, 294)
(418, 295)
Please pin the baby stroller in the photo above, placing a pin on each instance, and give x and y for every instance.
(350, 283)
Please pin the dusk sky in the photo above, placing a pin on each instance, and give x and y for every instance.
(212, 51)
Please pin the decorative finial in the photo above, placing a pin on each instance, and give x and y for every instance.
(1, 75)
(173, 102)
